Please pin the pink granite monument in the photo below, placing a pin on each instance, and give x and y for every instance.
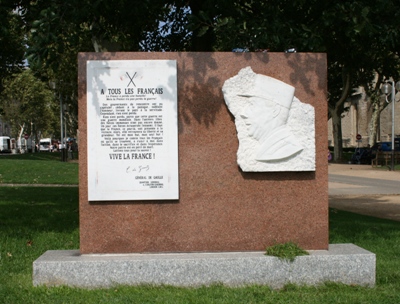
(218, 206)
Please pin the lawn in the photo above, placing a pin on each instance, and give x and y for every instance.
(36, 219)
(37, 168)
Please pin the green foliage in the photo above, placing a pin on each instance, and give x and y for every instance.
(58, 31)
(360, 37)
(286, 251)
(12, 41)
(27, 100)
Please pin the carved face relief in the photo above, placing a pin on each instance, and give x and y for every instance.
(276, 131)
(259, 116)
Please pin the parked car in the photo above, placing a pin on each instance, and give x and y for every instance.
(240, 50)
(45, 145)
(5, 144)
(386, 145)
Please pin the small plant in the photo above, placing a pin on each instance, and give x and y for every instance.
(286, 251)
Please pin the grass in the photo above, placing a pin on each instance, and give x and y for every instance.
(36, 219)
(286, 251)
(32, 223)
(37, 168)
(388, 168)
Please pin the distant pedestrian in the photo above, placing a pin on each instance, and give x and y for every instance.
(70, 151)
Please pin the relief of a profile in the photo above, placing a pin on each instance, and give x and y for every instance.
(275, 130)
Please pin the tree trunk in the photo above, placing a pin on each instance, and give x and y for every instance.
(101, 45)
(19, 142)
(335, 110)
(377, 107)
(337, 135)
(373, 125)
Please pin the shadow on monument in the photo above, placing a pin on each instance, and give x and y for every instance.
(133, 202)
(202, 99)
(204, 109)
(278, 176)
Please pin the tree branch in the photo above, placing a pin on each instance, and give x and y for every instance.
(346, 88)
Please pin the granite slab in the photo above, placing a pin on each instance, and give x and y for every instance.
(341, 263)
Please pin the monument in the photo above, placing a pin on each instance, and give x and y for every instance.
(221, 206)
(194, 164)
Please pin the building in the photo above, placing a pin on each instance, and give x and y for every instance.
(357, 120)
(4, 128)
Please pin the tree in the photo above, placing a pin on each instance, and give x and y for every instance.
(58, 30)
(349, 31)
(27, 101)
(12, 40)
(352, 33)
(389, 68)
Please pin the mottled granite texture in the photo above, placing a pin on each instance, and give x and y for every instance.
(220, 208)
(342, 263)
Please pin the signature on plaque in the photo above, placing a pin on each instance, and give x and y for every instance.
(137, 169)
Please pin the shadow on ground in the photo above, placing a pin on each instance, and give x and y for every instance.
(38, 209)
(382, 206)
(360, 229)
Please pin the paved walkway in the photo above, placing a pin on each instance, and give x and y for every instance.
(365, 190)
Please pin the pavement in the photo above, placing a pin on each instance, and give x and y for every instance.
(365, 190)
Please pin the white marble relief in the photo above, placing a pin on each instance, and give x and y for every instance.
(276, 131)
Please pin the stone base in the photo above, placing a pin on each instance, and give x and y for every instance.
(342, 263)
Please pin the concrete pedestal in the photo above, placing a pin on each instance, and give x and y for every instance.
(342, 263)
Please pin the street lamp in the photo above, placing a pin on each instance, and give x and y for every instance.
(387, 89)
(63, 135)
(63, 154)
